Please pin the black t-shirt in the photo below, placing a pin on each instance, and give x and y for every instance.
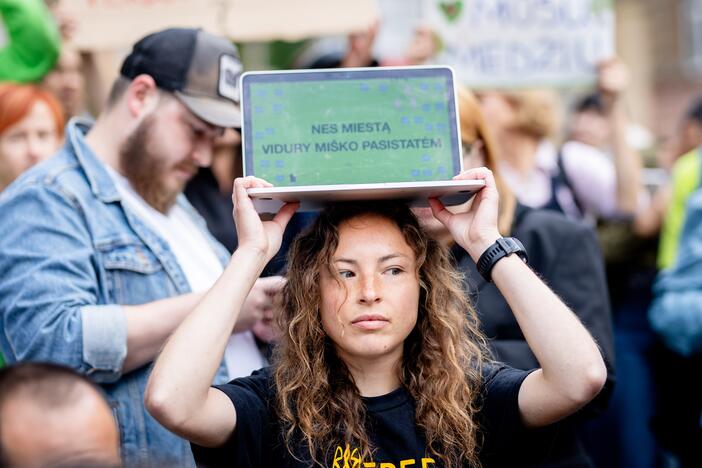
(257, 440)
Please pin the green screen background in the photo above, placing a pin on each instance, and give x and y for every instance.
(284, 113)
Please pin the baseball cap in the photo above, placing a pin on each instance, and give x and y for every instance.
(201, 69)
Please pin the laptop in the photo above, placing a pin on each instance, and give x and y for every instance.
(321, 136)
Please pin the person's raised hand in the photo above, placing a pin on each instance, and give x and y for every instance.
(475, 228)
(261, 305)
(252, 233)
(267, 329)
(360, 48)
(67, 23)
(612, 79)
(423, 46)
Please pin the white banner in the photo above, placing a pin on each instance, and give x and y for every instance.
(292, 20)
(113, 24)
(520, 43)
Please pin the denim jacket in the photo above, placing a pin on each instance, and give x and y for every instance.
(676, 311)
(71, 255)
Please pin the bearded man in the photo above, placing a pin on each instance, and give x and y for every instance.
(101, 256)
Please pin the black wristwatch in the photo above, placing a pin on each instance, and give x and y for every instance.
(502, 247)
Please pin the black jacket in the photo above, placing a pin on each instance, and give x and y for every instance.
(216, 208)
(566, 255)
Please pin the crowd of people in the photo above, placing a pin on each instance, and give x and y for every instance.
(151, 317)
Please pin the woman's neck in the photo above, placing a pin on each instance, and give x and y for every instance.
(377, 375)
(519, 151)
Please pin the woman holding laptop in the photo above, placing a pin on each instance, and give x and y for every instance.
(379, 363)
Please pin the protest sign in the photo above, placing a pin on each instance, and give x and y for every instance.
(518, 43)
(398, 23)
(265, 20)
(114, 24)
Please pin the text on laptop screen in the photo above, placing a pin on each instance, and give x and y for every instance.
(346, 127)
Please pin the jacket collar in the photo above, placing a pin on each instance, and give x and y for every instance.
(101, 184)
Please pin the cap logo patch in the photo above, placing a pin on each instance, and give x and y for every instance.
(229, 70)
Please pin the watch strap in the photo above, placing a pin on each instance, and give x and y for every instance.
(502, 247)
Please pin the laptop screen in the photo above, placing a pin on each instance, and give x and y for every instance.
(348, 126)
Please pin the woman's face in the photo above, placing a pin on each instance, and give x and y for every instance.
(29, 141)
(371, 306)
(590, 127)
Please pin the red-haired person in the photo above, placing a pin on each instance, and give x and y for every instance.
(31, 125)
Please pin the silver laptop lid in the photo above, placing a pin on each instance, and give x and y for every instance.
(350, 126)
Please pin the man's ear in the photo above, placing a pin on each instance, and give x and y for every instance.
(142, 96)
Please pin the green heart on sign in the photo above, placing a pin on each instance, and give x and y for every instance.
(452, 10)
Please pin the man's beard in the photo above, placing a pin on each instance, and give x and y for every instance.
(144, 168)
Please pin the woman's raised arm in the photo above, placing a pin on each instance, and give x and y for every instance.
(179, 393)
(572, 369)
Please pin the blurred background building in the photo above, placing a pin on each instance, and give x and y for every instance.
(661, 40)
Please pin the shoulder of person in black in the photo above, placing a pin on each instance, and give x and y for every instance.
(258, 438)
(566, 255)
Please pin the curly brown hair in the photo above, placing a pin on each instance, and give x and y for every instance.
(317, 400)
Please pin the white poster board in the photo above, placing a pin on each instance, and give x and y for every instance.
(292, 20)
(521, 43)
(114, 24)
(398, 22)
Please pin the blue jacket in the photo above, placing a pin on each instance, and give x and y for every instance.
(70, 257)
(676, 311)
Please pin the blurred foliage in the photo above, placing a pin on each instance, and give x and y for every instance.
(283, 53)
(275, 55)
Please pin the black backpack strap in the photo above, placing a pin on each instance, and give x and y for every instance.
(561, 178)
